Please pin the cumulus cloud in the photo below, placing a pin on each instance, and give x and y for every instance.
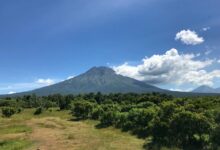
(206, 28)
(11, 92)
(171, 67)
(189, 37)
(45, 81)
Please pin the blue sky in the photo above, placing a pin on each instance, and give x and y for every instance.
(46, 41)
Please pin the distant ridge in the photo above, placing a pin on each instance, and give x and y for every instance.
(206, 89)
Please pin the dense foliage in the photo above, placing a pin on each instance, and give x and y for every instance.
(38, 111)
(8, 111)
(165, 121)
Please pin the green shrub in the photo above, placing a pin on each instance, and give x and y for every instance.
(82, 109)
(97, 112)
(110, 118)
(8, 111)
(190, 130)
(38, 111)
(215, 138)
(7, 103)
(19, 110)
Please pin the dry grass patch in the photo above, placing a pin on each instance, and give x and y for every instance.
(51, 130)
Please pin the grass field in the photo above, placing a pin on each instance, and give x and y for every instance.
(54, 130)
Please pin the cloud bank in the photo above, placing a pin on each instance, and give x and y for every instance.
(70, 77)
(171, 67)
(45, 81)
(189, 37)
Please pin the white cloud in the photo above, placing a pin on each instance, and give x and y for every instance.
(11, 92)
(208, 52)
(181, 90)
(6, 88)
(198, 54)
(206, 28)
(189, 37)
(45, 81)
(218, 61)
(70, 77)
(171, 67)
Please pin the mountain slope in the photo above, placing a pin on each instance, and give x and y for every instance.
(206, 89)
(98, 79)
(217, 90)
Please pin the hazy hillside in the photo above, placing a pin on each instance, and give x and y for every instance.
(206, 89)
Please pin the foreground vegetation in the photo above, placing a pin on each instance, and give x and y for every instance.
(162, 121)
(55, 129)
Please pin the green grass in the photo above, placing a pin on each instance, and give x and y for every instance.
(106, 138)
(14, 144)
(55, 112)
(28, 114)
(9, 129)
(81, 134)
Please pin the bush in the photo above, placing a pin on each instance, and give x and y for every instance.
(190, 130)
(38, 111)
(215, 138)
(8, 111)
(140, 120)
(110, 118)
(7, 103)
(19, 110)
(123, 122)
(82, 109)
(48, 104)
(97, 112)
(64, 103)
(186, 130)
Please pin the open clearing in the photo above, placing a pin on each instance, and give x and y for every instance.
(54, 130)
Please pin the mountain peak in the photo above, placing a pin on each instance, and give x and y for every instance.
(100, 70)
(204, 89)
(98, 79)
(205, 86)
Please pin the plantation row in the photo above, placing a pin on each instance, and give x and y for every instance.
(184, 123)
